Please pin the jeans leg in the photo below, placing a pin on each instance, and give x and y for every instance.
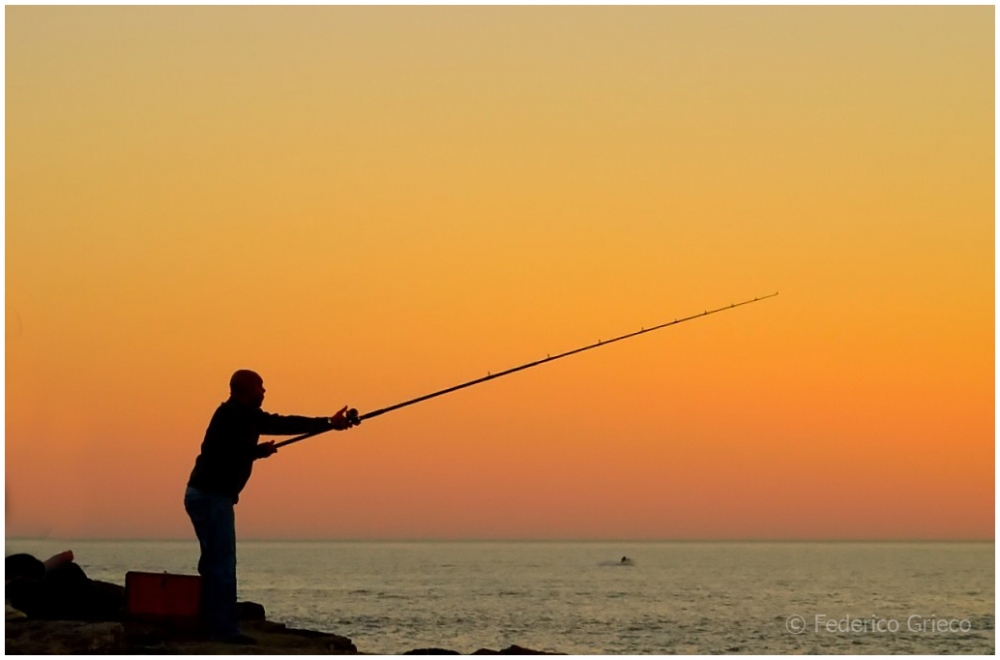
(214, 523)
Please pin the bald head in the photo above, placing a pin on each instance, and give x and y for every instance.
(247, 387)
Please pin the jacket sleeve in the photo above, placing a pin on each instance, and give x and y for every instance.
(271, 424)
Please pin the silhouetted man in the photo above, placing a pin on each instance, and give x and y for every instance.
(220, 473)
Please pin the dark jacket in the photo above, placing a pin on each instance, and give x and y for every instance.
(230, 445)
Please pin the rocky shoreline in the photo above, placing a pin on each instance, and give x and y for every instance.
(42, 637)
(52, 607)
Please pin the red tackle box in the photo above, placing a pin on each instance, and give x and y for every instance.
(163, 598)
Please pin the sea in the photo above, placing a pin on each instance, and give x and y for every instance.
(580, 598)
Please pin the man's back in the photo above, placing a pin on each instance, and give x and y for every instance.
(227, 453)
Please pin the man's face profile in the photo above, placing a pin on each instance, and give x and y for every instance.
(248, 388)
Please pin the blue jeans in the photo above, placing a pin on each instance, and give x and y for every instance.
(215, 524)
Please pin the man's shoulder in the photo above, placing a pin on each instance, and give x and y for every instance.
(225, 408)
(230, 410)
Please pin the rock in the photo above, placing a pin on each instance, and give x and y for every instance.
(13, 614)
(64, 637)
(432, 652)
(65, 593)
(250, 611)
(329, 640)
(107, 601)
(272, 639)
(23, 566)
(38, 636)
(513, 649)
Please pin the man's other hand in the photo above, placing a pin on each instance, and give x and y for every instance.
(265, 449)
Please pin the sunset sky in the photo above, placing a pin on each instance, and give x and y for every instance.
(369, 204)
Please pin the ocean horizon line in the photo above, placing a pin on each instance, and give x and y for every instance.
(140, 539)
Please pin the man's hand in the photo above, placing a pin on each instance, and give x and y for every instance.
(265, 449)
(344, 419)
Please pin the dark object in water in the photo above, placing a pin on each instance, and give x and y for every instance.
(624, 561)
(355, 419)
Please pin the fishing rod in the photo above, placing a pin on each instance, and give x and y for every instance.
(354, 418)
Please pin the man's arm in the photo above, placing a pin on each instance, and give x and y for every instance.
(271, 424)
(293, 424)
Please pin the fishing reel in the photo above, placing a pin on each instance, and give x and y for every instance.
(352, 417)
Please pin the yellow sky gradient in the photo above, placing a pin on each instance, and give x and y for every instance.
(369, 204)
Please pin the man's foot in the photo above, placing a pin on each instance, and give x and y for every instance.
(238, 638)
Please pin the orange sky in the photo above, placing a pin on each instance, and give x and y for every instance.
(369, 204)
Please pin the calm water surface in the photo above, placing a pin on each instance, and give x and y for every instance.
(678, 597)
